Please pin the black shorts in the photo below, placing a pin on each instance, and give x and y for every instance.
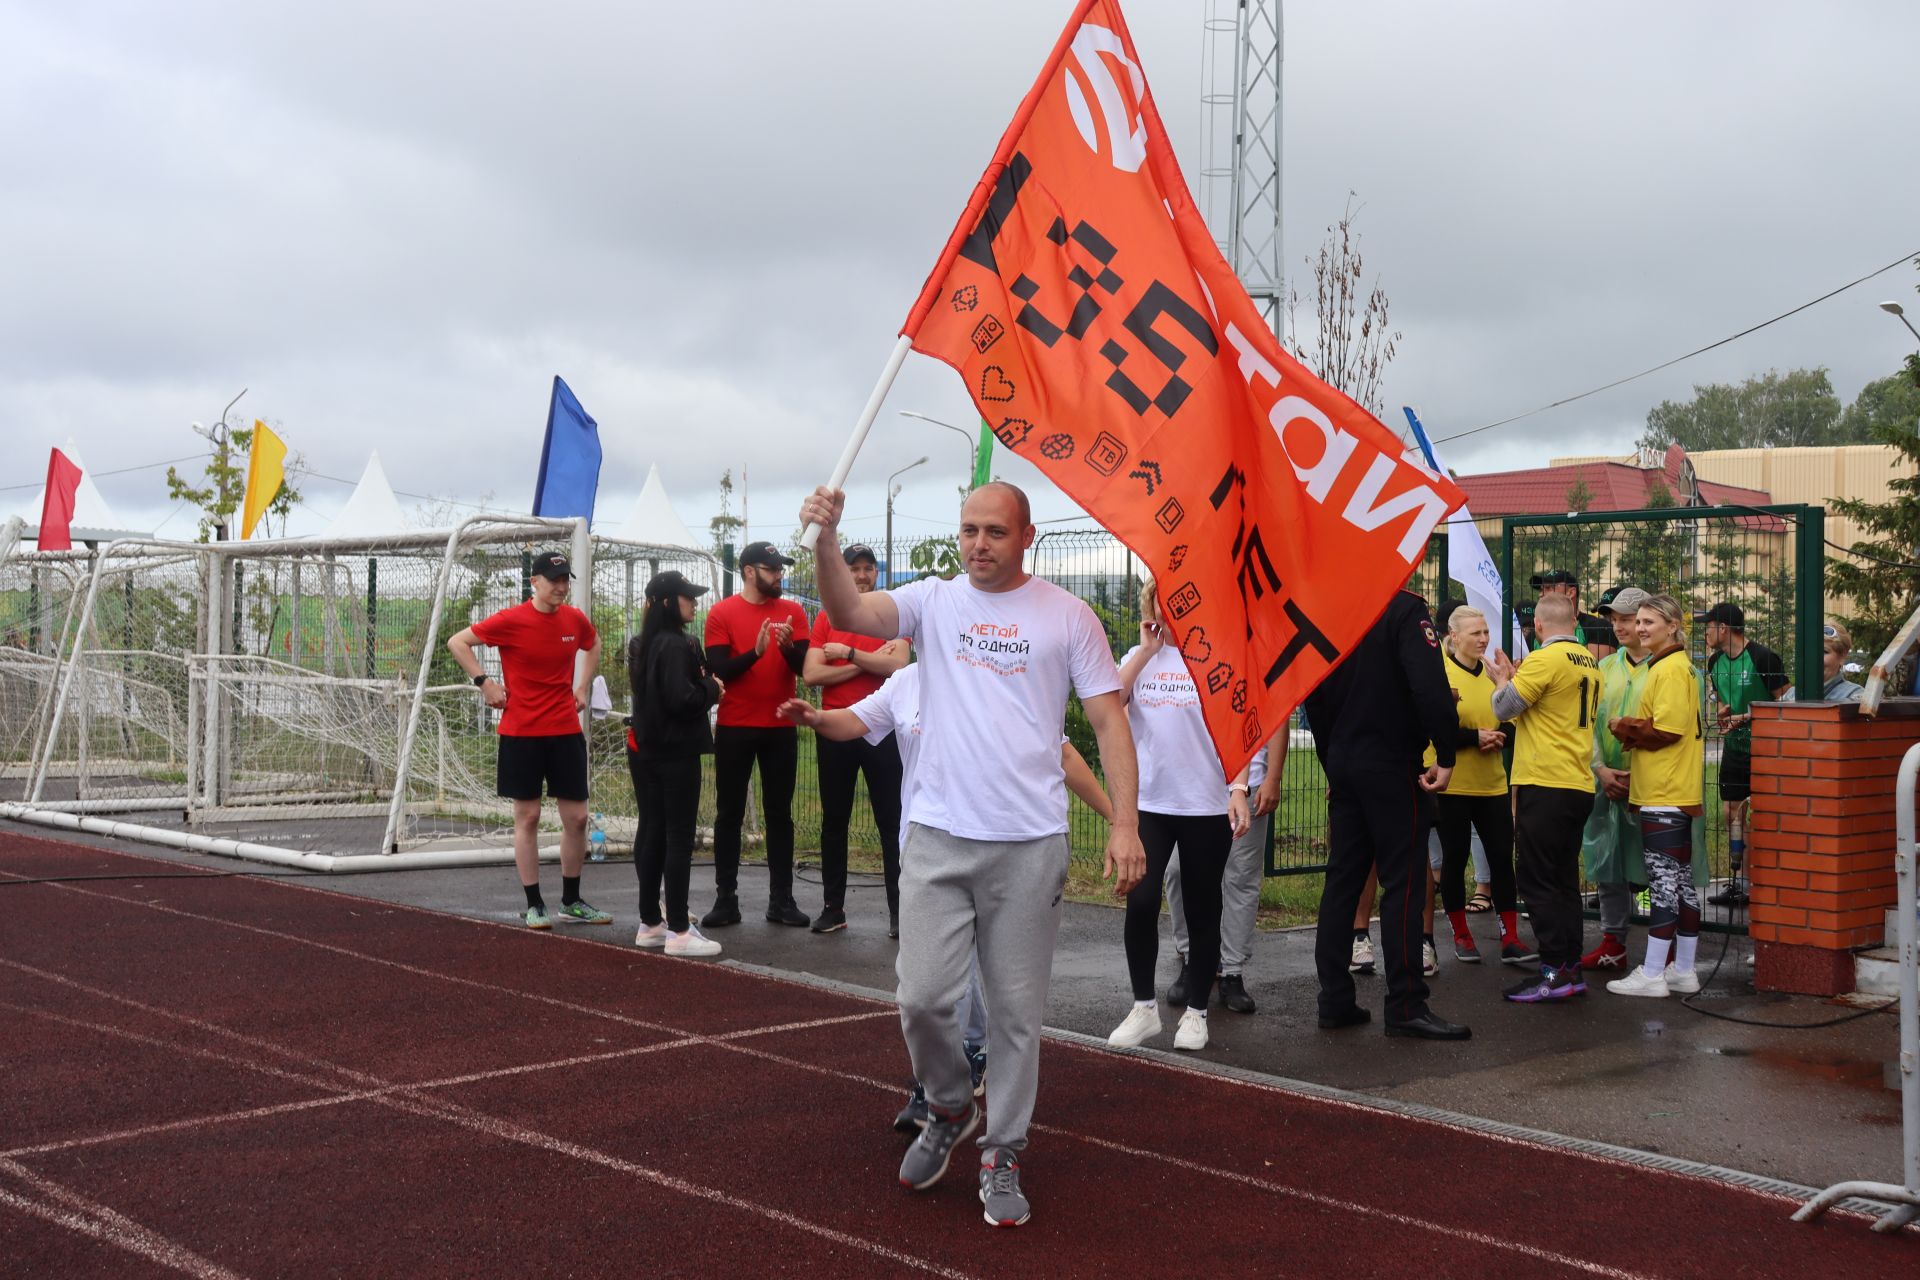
(555, 762)
(1736, 777)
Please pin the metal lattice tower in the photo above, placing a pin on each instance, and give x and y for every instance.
(1241, 57)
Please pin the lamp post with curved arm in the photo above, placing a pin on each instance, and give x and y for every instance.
(973, 444)
(893, 491)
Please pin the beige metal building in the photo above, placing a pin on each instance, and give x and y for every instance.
(1814, 476)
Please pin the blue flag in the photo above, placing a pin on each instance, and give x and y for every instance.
(569, 460)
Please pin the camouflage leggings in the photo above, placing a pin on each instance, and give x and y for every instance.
(1668, 839)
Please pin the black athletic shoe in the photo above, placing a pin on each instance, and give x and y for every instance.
(1353, 1017)
(1233, 993)
(1733, 895)
(1177, 993)
(829, 919)
(786, 913)
(913, 1117)
(893, 925)
(726, 911)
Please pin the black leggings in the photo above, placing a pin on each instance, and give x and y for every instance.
(1492, 817)
(1668, 841)
(841, 764)
(1204, 843)
(667, 793)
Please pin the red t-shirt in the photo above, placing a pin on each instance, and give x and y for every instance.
(847, 692)
(536, 658)
(751, 699)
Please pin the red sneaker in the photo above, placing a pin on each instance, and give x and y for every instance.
(1610, 954)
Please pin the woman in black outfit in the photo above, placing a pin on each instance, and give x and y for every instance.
(672, 692)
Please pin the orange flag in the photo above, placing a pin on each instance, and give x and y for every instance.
(1106, 341)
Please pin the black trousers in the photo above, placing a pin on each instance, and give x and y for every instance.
(736, 748)
(1548, 822)
(667, 795)
(840, 763)
(1204, 843)
(1492, 817)
(1375, 820)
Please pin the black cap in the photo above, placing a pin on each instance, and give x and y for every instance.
(1526, 613)
(552, 564)
(860, 551)
(1607, 597)
(1445, 615)
(1731, 614)
(1554, 578)
(669, 583)
(763, 554)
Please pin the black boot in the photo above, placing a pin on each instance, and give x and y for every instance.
(726, 911)
(1233, 993)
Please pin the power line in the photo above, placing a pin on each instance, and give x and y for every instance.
(120, 471)
(1620, 382)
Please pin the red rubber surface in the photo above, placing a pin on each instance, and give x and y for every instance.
(241, 1076)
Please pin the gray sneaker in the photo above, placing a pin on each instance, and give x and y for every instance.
(926, 1160)
(1000, 1189)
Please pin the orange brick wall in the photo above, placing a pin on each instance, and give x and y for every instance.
(1820, 838)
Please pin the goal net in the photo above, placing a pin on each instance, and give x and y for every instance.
(296, 693)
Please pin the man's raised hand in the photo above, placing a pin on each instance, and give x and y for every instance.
(798, 710)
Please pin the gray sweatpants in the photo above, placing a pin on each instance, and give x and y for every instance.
(1004, 898)
(1616, 904)
(1239, 897)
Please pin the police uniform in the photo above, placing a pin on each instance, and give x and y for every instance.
(1372, 718)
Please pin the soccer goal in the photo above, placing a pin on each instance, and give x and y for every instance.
(293, 699)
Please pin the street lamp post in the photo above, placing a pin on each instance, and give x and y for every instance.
(893, 491)
(973, 444)
(1895, 309)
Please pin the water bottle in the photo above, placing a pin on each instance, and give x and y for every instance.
(597, 838)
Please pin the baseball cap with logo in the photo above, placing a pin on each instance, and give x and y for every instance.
(669, 583)
(553, 565)
(1624, 600)
(763, 554)
(1554, 578)
(1730, 614)
(860, 551)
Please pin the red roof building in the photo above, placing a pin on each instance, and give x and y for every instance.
(1611, 486)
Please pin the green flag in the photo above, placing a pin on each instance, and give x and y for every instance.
(983, 457)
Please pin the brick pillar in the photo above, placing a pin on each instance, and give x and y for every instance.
(1820, 838)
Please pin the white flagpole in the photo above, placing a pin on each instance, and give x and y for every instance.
(842, 468)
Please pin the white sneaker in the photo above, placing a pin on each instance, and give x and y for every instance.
(1362, 961)
(1685, 982)
(1640, 983)
(651, 935)
(691, 943)
(1429, 960)
(1140, 1026)
(1192, 1031)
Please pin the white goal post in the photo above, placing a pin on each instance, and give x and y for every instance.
(292, 699)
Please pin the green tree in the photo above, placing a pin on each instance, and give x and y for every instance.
(935, 557)
(726, 524)
(1880, 577)
(226, 485)
(1657, 555)
(1580, 549)
(1892, 401)
(1771, 410)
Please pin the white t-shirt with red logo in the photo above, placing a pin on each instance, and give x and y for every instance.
(995, 671)
(1180, 771)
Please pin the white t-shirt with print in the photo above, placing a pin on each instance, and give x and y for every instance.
(996, 669)
(895, 708)
(1180, 771)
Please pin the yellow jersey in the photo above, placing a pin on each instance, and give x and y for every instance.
(1553, 747)
(1670, 699)
(1475, 772)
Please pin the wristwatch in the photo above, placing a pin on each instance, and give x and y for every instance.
(481, 679)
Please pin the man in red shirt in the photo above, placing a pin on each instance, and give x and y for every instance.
(541, 743)
(846, 667)
(756, 645)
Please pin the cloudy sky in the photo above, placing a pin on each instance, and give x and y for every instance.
(394, 222)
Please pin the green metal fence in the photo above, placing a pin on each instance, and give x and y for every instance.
(1770, 561)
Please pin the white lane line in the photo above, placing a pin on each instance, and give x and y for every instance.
(404, 1098)
(1364, 1210)
(90, 1218)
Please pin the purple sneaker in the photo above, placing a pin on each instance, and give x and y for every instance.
(1549, 984)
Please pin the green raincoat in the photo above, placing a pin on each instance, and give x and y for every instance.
(1611, 843)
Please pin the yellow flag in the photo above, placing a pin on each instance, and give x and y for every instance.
(266, 472)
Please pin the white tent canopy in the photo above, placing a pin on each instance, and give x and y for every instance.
(93, 519)
(653, 519)
(372, 511)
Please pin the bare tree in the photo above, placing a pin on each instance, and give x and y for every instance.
(1352, 341)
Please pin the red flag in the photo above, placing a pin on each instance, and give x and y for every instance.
(56, 512)
(1105, 339)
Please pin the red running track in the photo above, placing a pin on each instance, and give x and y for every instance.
(237, 1076)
